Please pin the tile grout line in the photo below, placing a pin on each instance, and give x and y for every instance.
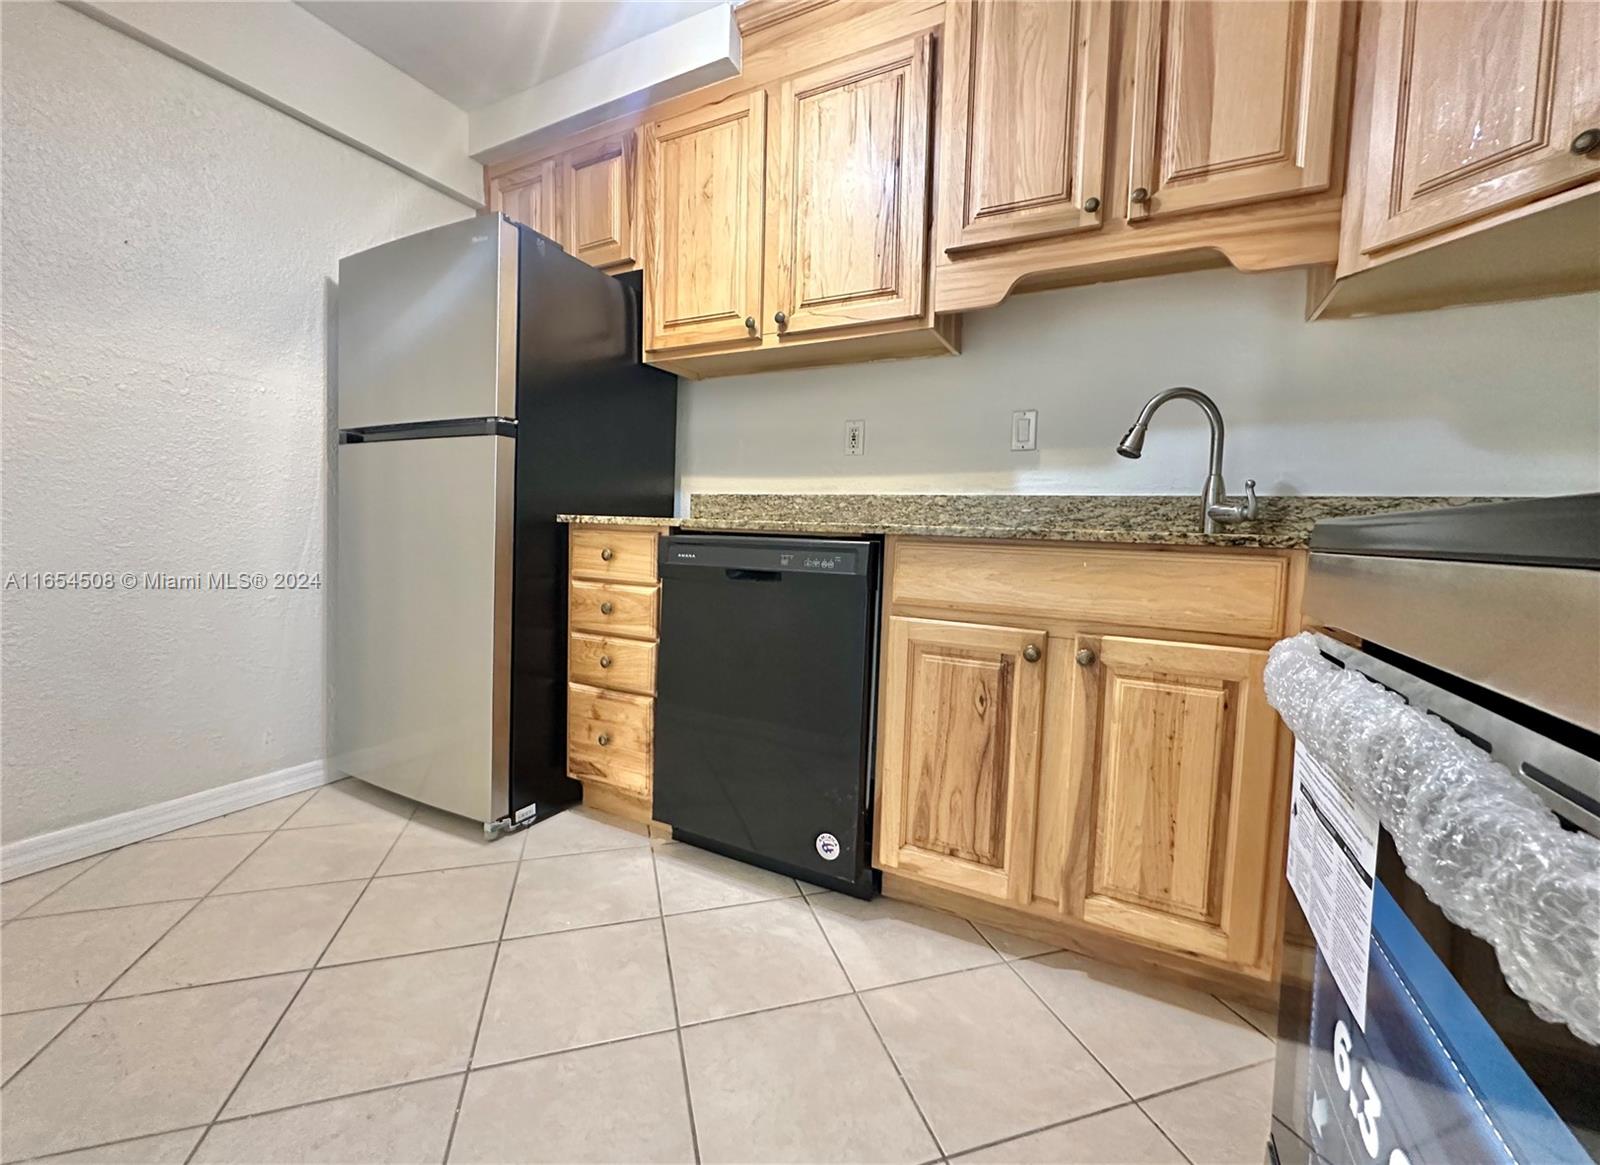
(677, 1019)
(301, 986)
(115, 979)
(243, 858)
(1112, 1076)
(1160, 1092)
(483, 1005)
(855, 993)
(1235, 1009)
(1066, 1027)
(98, 858)
(110, 1144)
(1083, 1116)
(1010, 964)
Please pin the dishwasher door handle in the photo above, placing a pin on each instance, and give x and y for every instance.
(752, 575)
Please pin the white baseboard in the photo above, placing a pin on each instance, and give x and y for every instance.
(32, 854)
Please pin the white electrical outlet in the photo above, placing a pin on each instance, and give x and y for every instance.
(855, 438)
(1024, 430)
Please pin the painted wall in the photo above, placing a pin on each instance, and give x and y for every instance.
(1502, 399)
(280, 53)
(169, 253)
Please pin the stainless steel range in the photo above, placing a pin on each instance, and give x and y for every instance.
(1441, 991)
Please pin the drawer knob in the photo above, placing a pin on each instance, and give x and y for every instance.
(1031, 653)
(1085, 656)
(1091, 204)
(605, 554)
(605, 608)
(603, 739)
(750, 323)
(1139, 196)
(605, 661)
(780, 319)
(1586, 142)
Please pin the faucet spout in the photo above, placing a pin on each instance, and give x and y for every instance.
(1214, 506)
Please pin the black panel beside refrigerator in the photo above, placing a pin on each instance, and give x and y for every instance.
(597, 433)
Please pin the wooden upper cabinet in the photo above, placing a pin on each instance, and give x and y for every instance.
(1171, 797)
(1231, 103)
(1023, 117)
(597, 183)
(961, 722)
(1475, 107)
(528, 196)
(848, 191)
(703, 209)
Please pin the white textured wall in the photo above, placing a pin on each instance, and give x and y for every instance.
(1502, 399)
(169, 251)
(281, 52)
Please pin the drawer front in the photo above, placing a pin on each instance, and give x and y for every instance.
(612, 554)
(1222, 594)
(610, 738)
(602, 661)
(612, 609)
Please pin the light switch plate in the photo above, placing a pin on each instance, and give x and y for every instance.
(1024, 430)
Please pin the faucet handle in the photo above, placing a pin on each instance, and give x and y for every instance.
(1249, 499)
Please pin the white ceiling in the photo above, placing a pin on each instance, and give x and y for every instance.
(476, 52)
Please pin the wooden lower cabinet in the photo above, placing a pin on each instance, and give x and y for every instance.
(613, 594)
(1120, 783)
(1163, 824)
(961, 718)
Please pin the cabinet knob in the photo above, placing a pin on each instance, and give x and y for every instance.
(750, 323)
(1085, 656)
(605, 608)
(602, 740)
(1140, 195)
(1586, 142)
(605, 661)
(779, 318)
(605, 554)
(1031, 653)
(1090, 205)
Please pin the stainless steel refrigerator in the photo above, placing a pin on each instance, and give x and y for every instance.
(486, 381)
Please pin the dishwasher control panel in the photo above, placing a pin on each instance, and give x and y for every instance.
(730, 552)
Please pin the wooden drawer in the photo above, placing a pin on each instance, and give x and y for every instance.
(624, 665)
(613, 554)
(1218, 593)
(612, 609)
(610, 738)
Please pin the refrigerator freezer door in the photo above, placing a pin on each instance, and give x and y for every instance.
(422, 619)
(428, 326)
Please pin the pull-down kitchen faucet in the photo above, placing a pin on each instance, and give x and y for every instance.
(1215, 508)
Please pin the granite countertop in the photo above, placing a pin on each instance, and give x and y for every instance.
(1283, 522)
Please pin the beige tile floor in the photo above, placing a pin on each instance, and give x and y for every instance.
(342, 977)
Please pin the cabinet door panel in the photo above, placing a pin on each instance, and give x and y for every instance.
(704, 191)
(598, 180)
(849, 189)
(961, 726)
(1024, 104)
(1232, 103)
(1172, 794)
(1474, 108)
(528, 196)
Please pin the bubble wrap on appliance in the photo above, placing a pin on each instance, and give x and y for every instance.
(1484, 847)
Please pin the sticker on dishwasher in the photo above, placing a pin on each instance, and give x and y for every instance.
(827, 846)
(1333, 859)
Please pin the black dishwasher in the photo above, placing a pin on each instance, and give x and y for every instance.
(765, 689)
